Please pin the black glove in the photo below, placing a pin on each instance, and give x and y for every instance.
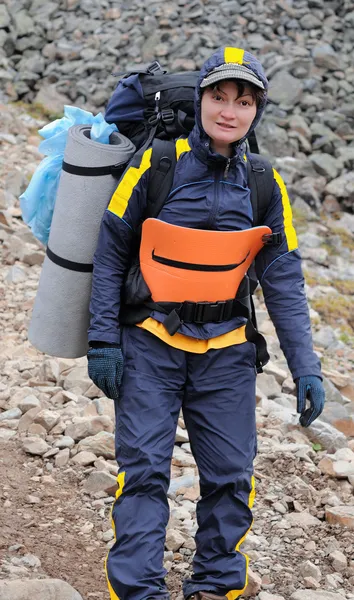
(309, 388)
(105, 368)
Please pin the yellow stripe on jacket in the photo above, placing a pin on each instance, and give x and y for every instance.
(289, 229)
(130, 179)
(182, 145)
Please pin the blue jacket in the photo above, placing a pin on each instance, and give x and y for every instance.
(209, 191)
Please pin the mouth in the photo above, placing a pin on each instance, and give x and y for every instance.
(226, 126)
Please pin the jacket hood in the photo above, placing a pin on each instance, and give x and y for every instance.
(227, 55)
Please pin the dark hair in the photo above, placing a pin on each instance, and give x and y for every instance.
(257, 93)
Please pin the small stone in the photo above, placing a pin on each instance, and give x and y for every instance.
(268, 385)
(254, 584)
(311, 583)
(308, 569)
(47, 419)
(29, 402)
(174, 540)
(101, 444)
(35, 446)
(62, 458)
(315, 595)
(310, 546)
(181, 435)
(267, 596)
(339, 560)
(12, 413)
(343, 469)
(33, 499)
(302, 519)
(64, 442)
(84, 458)
(101, 481)
(107, 535)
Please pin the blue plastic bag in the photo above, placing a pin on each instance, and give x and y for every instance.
(38, 201)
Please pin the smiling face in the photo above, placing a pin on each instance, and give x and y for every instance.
(227, 113)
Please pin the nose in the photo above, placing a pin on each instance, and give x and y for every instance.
(228, 112)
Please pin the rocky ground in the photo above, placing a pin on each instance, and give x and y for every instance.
(65, 52)
(57, 465)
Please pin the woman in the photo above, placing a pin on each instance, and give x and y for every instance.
(208, 366)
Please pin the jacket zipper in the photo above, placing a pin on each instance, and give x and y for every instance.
(227, 167)
(219, 175)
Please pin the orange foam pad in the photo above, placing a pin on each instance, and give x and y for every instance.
(199, 247)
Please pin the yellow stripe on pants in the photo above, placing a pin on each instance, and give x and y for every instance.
(236, 593)
(120, 481)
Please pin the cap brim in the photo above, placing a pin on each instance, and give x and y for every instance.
(231, 73)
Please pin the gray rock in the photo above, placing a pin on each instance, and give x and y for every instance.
(6, 434)
(23, 23)
(325, 165)
(329, 437)
(268, 385)
(41, 589)
(315, 595)
(342, 187)
(284, 89)
(35, 446)
(12, 413)
(4, 17)
(29, 402)
(16, 275)
(64, 442)
(101, 444)
(332, 393)
(183, 481)
(325, 337)
(324, 56)
(99, 481)
(174, 540)
(84, 458)
(84, 427)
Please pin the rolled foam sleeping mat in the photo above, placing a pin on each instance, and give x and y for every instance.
(60, 316)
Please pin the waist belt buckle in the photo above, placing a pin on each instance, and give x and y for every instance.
(209, 312)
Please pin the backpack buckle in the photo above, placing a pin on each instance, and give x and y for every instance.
(155, 67)
(272, 239)
(154, 119)
(168, 116)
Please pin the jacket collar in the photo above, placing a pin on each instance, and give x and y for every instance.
(199, 142)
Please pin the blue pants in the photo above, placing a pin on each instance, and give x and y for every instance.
(216, 391)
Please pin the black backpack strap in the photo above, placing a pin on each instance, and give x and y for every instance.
(163, 163)
(261, 184)
(253, 144)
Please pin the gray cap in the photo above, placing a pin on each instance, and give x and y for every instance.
(231, 71)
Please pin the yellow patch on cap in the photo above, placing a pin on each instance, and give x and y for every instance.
(234, 55)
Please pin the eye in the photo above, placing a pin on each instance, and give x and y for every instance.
(245, 103)
(217, 97)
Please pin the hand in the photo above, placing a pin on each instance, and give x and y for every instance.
(309, 388)
(105, 368)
